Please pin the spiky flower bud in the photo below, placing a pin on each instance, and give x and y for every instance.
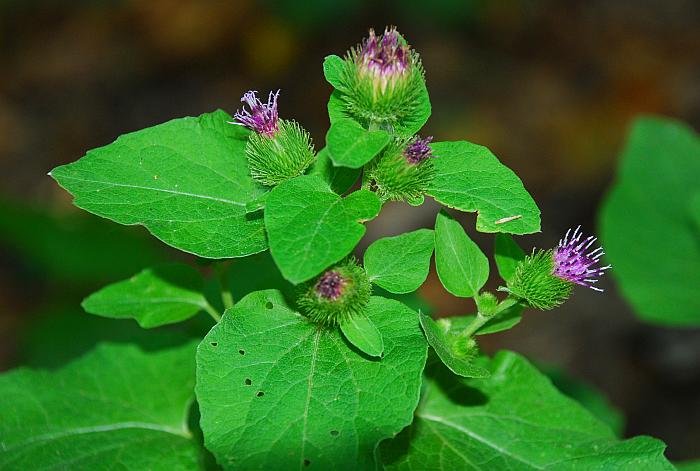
(278, 149)
(545, 279)
(337, 295)
(382, 81)
(403, 171)
(464, 348)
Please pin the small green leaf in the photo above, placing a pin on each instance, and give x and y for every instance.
(688, 465)
(469, 177)
(154, 297)
(340, 179)
(363, 334)
(187, 181)
(505, 320)
(115, 407)
(461, 266)
(311, 228)
(439, 338)
(649, 233)
(351, 145)
(400, 264)
(513, 420)
(332, 70)
(507, 254)
(277, 392)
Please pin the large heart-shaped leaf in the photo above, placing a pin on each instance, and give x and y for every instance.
(277, 392)
(187, 181)
(648, 229)
(469, 177)
(310, 227)
(117, 407)
(156, 296)
(514, 419)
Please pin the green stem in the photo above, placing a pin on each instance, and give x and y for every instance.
(481, 319)
(212, 312)
(224, 286)
(475, 325)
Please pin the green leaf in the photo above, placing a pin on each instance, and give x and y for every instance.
(469, 177)
(340, 179)
(439, 338)
(156, 296)
(461, 266)
(688, 466)
(513, 420)
(276, 392)
(507, 254)
(400, 264)
(363, 334)
(115, 407)
(351, 145)
(332, 70)
(419, 117)
(646, 228)
(311, 228)
(186, 181)
(71, 247)
(593, 400)
(504, 320)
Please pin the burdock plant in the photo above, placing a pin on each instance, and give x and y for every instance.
(313, 355)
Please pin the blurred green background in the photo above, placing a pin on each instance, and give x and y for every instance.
(549, 86)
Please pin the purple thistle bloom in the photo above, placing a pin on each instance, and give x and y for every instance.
(571, 263)
(330, 285)
(384, 58)
(262, 117)
(418, 150)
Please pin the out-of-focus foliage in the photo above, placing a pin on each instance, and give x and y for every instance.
(648, 222)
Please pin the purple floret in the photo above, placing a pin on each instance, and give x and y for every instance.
(418, 150)
(571, 263)
(330, 285)
(262, 117)
(384, 56)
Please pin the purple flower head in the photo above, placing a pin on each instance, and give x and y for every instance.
(330, 285)
(262, 117)
(418, 150)
(571, 263)
(385, 57)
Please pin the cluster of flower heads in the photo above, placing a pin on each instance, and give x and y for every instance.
(384, 56)
(572, 263)
(261, 117)
(418, 150)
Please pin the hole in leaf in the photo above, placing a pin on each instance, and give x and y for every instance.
(335, 433)
(307, 462)
(260, 394)
(269, 305)
(242, 352)
(214, 344)
(248, 382)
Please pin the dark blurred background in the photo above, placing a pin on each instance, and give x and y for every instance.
(549, 86)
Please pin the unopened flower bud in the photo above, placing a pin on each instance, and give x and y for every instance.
(382, 82)
(403, 171)
(337, 295)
